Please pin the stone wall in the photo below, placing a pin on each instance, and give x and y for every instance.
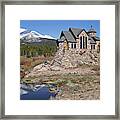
(61, 45)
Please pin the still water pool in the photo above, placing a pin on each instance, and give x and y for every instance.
(40, 93)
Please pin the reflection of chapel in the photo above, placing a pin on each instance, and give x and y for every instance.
(76, 38)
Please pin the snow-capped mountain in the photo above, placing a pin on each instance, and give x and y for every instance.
(33, 36)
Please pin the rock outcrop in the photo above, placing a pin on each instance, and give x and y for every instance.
(67, 59)
(73, 58)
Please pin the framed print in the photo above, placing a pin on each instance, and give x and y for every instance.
(59, 59)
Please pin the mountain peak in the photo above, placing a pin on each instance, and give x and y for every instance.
(29, 34)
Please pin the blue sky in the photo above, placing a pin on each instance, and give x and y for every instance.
(54, 27)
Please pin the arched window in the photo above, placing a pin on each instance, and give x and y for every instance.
(71, 45)
(74, 45)
(81, 42)
(92, 46)
(86, 42)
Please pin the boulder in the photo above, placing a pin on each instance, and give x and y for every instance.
(55, 68)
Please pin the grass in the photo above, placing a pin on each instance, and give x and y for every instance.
(29, 63)
(67, 77)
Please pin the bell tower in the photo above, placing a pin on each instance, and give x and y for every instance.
(92, 32)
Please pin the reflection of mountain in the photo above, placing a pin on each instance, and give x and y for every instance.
(28, 36)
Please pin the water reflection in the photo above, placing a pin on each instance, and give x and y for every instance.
(38, 92)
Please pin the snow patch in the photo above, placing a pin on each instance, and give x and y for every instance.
(28, 34)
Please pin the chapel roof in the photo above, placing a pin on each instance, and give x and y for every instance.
(68, 36)
(75, 31)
